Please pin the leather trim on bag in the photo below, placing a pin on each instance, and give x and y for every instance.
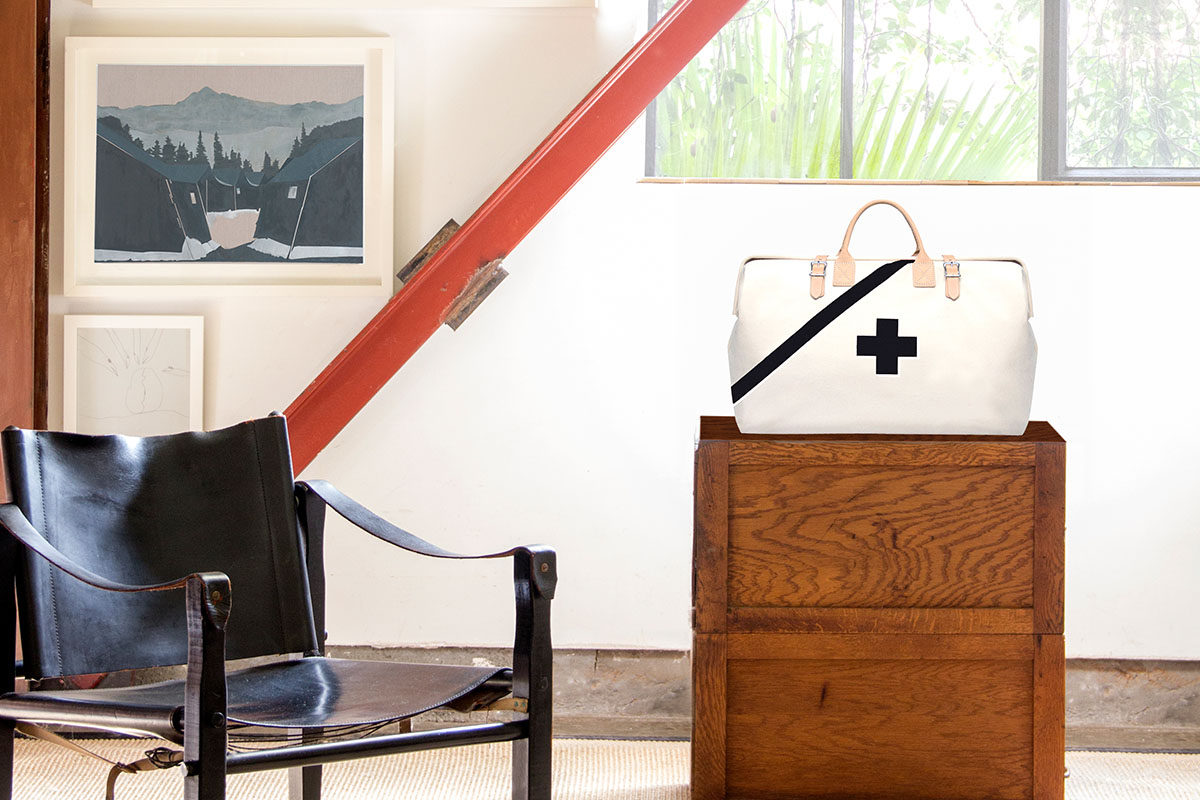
(816, 277)
(953, 279)
(817, 323)
(843, 270)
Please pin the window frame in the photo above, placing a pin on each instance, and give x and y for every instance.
(1052, 110)
(845, 101)
(1052, 114)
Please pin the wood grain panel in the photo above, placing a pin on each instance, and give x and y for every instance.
(1049, 718)
(41, 266)
(708, 717)
(883, 598)
(1049, 538)
(897, 647)
(881, 620)
(22, 210)
(880, 729)
(710, 537)
(892, 454)
(891, 537)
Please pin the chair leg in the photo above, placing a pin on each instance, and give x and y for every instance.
(207, 782)
(533, 676)
(531, 766)
(6, 759)
(9, 550)
(204, 709)
(304, 783)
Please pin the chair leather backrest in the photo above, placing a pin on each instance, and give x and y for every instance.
(149, 510)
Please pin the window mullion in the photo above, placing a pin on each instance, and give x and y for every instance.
(846, 168)
(1052, 145)
(655, 12)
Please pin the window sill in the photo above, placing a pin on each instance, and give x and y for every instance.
(842, 182)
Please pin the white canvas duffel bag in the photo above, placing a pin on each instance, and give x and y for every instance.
(909, 345)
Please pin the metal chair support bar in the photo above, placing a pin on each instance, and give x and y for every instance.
(328, 752)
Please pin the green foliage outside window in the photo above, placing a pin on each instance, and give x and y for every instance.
(1133, 84)
(943, 90)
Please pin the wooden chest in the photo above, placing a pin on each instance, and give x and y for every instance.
(878, 616)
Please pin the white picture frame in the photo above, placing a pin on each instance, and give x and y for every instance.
(95, 268)
(139, 375)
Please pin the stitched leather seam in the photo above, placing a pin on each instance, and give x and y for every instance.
(37, 446)
(262, 484)
(303, 531)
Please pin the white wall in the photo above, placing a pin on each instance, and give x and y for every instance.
(564, 410)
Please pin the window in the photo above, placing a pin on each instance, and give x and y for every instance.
(292, 192)
(937, 90)
(1123, 90)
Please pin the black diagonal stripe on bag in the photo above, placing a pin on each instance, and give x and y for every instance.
(817, 323)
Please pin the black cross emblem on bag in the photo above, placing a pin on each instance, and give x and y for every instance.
(888, 346)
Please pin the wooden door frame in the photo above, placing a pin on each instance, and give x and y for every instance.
(24, 211)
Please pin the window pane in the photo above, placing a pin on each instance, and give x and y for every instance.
(1133, 73)
(946, 90)
(762, 100)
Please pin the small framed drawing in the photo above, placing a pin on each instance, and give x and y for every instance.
(212, 165)
(136, 375)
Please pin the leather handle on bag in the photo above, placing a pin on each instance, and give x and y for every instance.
(843, 265)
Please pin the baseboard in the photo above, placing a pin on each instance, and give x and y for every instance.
(1129, 704)
(637, 694)
(1111, 704)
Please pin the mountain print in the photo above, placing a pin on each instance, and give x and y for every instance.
(221, 175)
(249, 126)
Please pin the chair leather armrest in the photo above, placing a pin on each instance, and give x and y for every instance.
(543, 557)
(216, 584)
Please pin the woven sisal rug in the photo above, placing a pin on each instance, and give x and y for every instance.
(584, 770)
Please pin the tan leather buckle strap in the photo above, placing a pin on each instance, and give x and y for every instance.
(953, 272)
(843, 265)
(38, 732)
(520, 705)
(816, 276)
(158, 758)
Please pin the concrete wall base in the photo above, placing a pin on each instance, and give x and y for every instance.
(1111, 704)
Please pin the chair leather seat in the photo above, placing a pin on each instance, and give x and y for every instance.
(325, 693)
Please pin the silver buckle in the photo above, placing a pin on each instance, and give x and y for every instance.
(946, 265)
(812, 264)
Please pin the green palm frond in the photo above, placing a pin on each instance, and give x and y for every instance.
(757, 104)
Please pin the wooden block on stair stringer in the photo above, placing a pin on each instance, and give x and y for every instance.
(483, 283)
(425, 253)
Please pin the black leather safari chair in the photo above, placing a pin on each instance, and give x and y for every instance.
(195, 548)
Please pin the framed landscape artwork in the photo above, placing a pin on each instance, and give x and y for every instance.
(134, 375)
(228, 165)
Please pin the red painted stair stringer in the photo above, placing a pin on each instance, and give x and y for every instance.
(400, 328)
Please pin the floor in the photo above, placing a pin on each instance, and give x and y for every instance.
(584, 770)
